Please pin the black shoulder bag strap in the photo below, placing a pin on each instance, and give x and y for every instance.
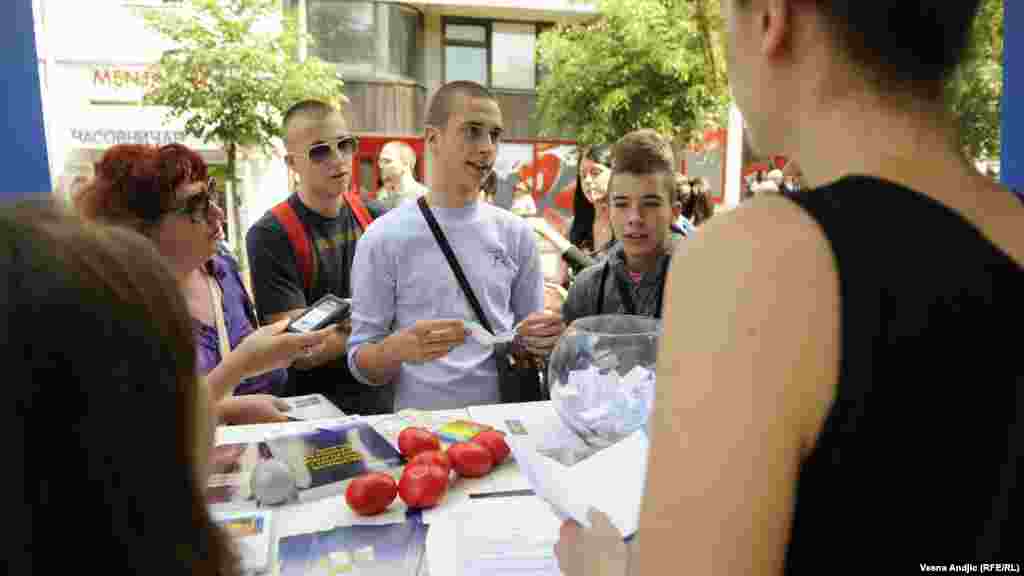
(601, 287)
(453, 263)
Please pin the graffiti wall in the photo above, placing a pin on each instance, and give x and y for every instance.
(548, 170)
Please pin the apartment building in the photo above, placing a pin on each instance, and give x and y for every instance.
(94, 57)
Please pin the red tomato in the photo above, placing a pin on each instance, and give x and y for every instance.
(494, 441)
(471, 460)
(412, 441)
(371, 493)
(433, 457)
(423, 485)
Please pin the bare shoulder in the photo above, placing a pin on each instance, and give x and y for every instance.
(761, 282)
(747, 368)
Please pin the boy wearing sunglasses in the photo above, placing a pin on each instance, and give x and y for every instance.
(303, 248)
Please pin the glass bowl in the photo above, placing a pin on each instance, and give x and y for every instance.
(601, 376)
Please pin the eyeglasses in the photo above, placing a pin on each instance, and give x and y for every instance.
(476, 135)
(321, 152)
(198, 206)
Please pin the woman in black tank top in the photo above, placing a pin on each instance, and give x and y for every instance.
(847, 396)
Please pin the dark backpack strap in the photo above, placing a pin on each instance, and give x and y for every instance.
(355, 202)
(661, 290)
(600, 291)
(296, 232)
(625, 298)
(453, 263)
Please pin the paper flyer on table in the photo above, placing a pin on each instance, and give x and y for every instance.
(457, 496)
(395, 549)
(531, 419)
(505, 477)
(312, 407)
(522, 543)
(307, 517)
(549, 482)
(320, 457)
(249, 433)
(612, 481)
(469, 542)
(252, 533)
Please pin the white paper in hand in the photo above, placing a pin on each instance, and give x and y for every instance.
(611, 481)
(485, 338)
(621, 474)
(547, 478)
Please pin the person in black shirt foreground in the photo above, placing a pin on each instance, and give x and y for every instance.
(838, 388)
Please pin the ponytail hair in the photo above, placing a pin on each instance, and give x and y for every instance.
(697, 206)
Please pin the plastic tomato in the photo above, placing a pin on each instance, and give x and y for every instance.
(494, 441)
(413, 440)
(471, 460)
(371, 493)
(423, 485)
(433, 457)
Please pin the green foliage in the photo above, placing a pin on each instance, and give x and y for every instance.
(641, 64)
(975, 91)
(234, 71)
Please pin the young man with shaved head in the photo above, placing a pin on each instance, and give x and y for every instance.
(320, 150)
(408, 308)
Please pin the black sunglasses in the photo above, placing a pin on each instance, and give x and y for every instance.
(198, 206)
(321, 152)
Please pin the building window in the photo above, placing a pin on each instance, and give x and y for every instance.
(513, 60)
(343, 31)
(403, 40)
(465, 52)
(497, 54)
(367, 39)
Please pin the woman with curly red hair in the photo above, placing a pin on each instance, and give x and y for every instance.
(166, 194)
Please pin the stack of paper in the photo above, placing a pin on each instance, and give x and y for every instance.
(511, 536)
(604, 407)
(611, 481)
(522, 542)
